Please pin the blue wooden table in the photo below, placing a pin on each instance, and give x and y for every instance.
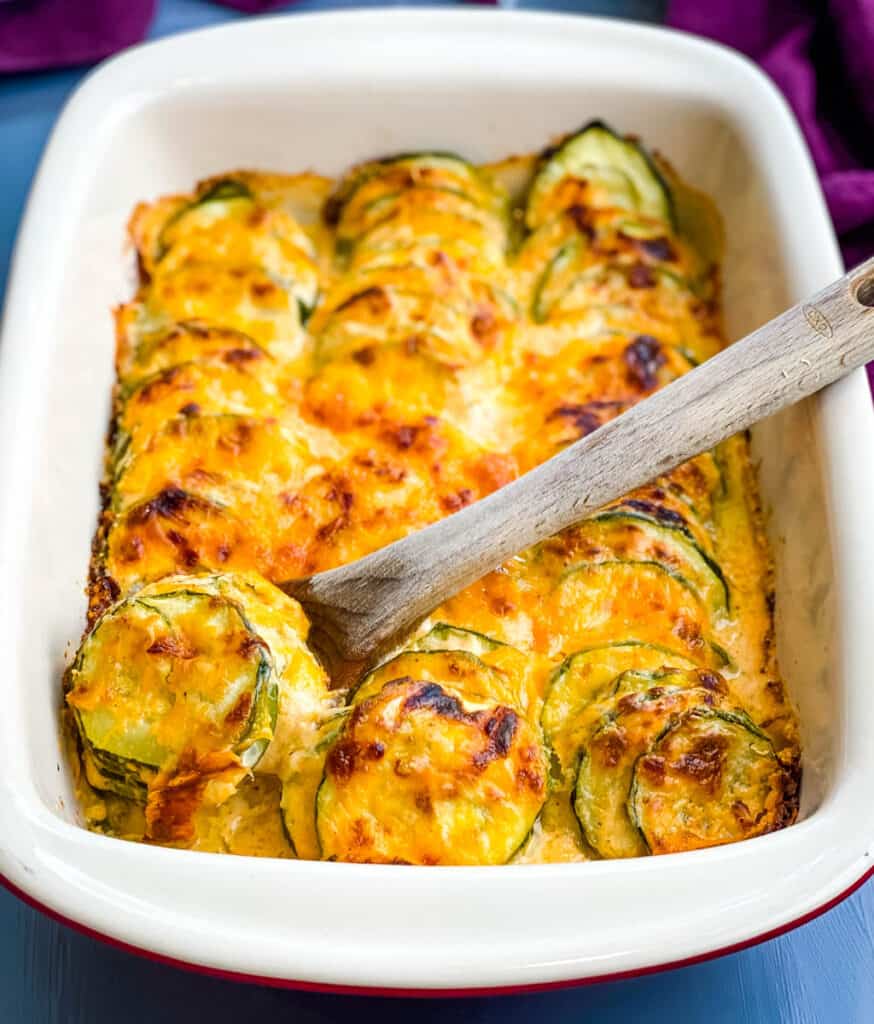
(822, 972)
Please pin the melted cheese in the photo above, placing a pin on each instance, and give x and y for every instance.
(309, 372)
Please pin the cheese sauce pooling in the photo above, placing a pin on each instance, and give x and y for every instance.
(312, 369)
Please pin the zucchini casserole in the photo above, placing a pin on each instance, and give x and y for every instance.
(311, 369)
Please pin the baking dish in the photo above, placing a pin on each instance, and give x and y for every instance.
(326, 90)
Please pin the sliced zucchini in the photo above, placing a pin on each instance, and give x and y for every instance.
(662, 504)
(301, 772)
(570, 735)
(456, 323)
(594, 602)
(540, 248)
(404, 171)
(172, 673)
(388, 316)
(238, 462)
(470, 243)
(245, 298)
(353, 288)
(443, 637)
(633, 535)
(420, 776)
(560, 274)
(710, 777)
(230, 232)
(602, 170)
(175, 531)
(475, 663)
(593, 379)
(383, 249)
(587, 675)
(460, 672)
(698, 483)
(192, 677)
(397, 382)
(602, 236)
(224, 199)
(194, 389)
(608, 756)
(576, 286)
(111, 774)
(228, 226)
(141, 356)
(407, 206)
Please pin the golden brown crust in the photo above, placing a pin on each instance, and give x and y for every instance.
(419, 776)
(302, 381)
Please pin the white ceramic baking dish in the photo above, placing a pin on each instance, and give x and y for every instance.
(322, 91)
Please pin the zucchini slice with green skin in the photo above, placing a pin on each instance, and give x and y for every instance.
(560, 274)
(247, 297)
(586, 676)
(122, 776)
(567, 736)
(222, 199)
(167, 674)
(594, 602)
(227, 225)
(609, 754)
(699, 483)
(301, 775)
(459, 671)
(217, 458)
(426, 168)
(389, 252)
(402, 205)
(174, 532)
(185, 343)
(456, 327)
(607, 170)
(444, 637)
(195, 671)
(388, 316)
(710, 777)
(192, 389)
(567, 290)
(634, 535)
(420, 775)
(467, 240)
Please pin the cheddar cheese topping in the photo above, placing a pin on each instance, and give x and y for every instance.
(310, 370)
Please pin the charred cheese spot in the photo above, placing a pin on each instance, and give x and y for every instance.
(454, 781)
(712, 778)
(629, 725)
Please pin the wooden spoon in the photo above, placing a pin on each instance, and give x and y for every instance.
(363, 609)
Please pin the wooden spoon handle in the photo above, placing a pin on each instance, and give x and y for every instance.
(798, 353)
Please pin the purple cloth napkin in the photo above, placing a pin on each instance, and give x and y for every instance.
(38, 34)
(822, 57)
